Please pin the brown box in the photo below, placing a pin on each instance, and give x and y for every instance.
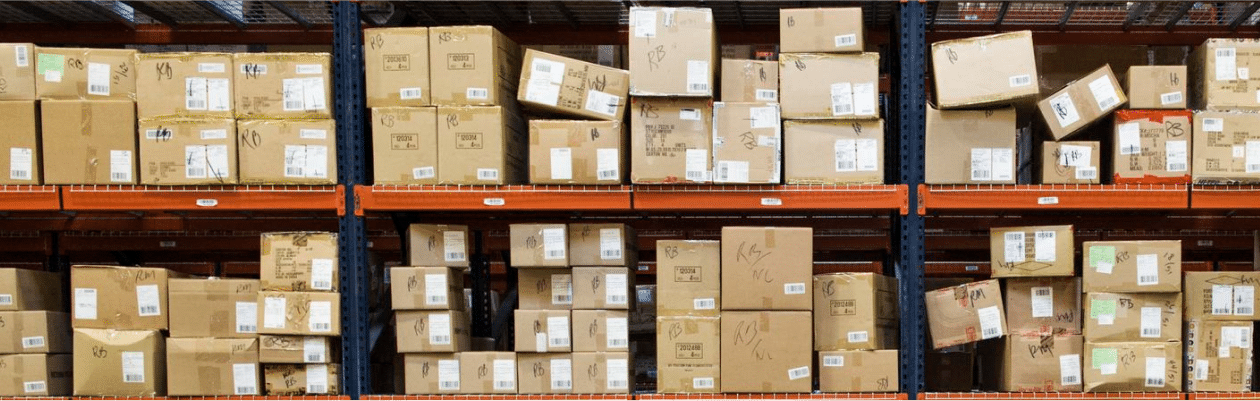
(184, 84)
(440, 288)
(299, 261)
(823, 30)
(673, 51)
(858, 371)
(544, 373)
(282, 85)
(671, 140)
(34, 332)
(119, 363)
(966, 313)
(472, 65)
(545, 289)
(1071, 162)
(487, 373)
(298, 349)
(970, 146)
(1218, 355)
(1031, 362)
(88, 141)
(432, 373)
(600, 331)
(223, 308)
(302, 313)
(564, 86)
(188, 152)
(85, 74)
(1156, 86)
(21, 120)
(829, 86)
(212, 366)
(1125, 367)
(610, 244)
(688, 354)
(1221, 295)
(1151, 146)
(287, 152)
(396, 62)
(1082, 102)
(1222, 78)
(577, 152)
(481, 145)
(855, 311)
(432, 331)
(767, 276)
(437, 245)
(834, 151)
(18, 75)
(120, 298)
(36, 374)
(602, 288)
(985, 70)
(746, 143)
(298, 379)
(1132, 317)
(688, 277)
(1043, 305)
(1132, 266)
(764, 352)
(602, 373)
(1045, 251)
(404, 145)
(1226, 147)
(543, 331)
(539, 245)
(750, 81)
(26, 289)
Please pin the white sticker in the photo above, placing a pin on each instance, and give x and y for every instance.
(435, 289)
(132, 367)
(1106, 319)
(1044, 247)
(833, 360)
(33, 342)
(610, 244)
(273, 312)
(421, 173)
(305, 69)
(1252, 162)
(211, 68)
(1171, 98)
(52, 76)
(1176, 159)
(602, 103)
(1240, 151)
(316, 161)
(846, 155)
(1222, 300)
(306, 133)
(731, 171)
(293, 97)
(561, 289)
(864, 96)
(846, 40)
(195, 161)
(697, 76)
(1087, 173)
(793, 288)
(644, 23)
(1003, 164)
(21, 161)
(1147, 269)
(35, 387)
(704, 303)
(1214, 125)
(1130, 138)
(617, 333)
(841, 99)
(1107, 369)
(410, 93)
(858, 337)
(440, 328)
(314, 350)
(98, 79)
(317, 378)
(1042, 301)
(313, 97)
(218, 94)
(798, 373)
(321, 274)
(561, 374)
(1104, 267)
(85, 303)
(990, 322)
(766, 95)
(1064, 110)
(488, 174)
(453, 246)
(1020, 80)
(618, 374)
(697, 161)
(1013, 247)
(1152, 322)
(1104, 92)
(561, 163)
(763, 117)
(553, 243)
(6, 299)
(981, 164)
(1075, 155)
(868, 154)
(703, 383)
(541, 90)
(147, 300)
(195, 89)
(119, 165)
(246, 317)
(1070, 369)
(21, 56)
(558, 331)
(320, 320)
(244, 379)
(547, 70)
(540, 342)
(477, 93)
(212, 134)
(1244, 300)
(1201, 369)
(1155, 371)
(448, 375)
(295, 161)
(504, 374)
(617, 289)
(1226, 66)
(689, 114)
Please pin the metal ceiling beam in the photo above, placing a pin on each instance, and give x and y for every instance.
(290, 13)
(1138, 11)
(108, 12)
(1181, 13)
(739, 13)
(224, 14)
(1243, 16)
(1006, 6)
(153, 13)
(35, 10)
(1067, 15)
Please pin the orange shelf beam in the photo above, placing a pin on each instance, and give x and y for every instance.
(396, 198)
(29, 198)
(957, 269)
(774, 396)
(225, 397)
(1223, 396)
(1053, 197)
(501, 397)
(1225, 197)
(771, 197)
(1052, 396)
(203, 198)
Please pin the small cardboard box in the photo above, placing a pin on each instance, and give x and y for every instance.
(577, 152)
(747, 140)
(1221, 295)
(212, 366)
(985, 70)
(1044, 251)
(550, 373)
(1031, 362)
(472, 66)
(1043, 305)
(966, 313)
(763, 352)
(22, 122)
(120, 298)
(85, 74)
(404, 145)
(870, 371)
(19, 74)
(396, 62)
(543, 331)
(1218, 355)
(822, 30)
(300, 313)
(673, 52)
(970, 146)
(769, 267)
(36, 374)
(1151, 146)
(1128, 367)
(1222, 79)
(1082, 102)
(603, 288)
(298, 380)
(601, 331)
(432, 373)
(688, 354)
(432, 331)
(1132, 266)
(855, 311)
(750, 81)
(431, 288)
(195, 85)
(481, 145)
(1132, 317)
(671, 140)
(564, 86)
(602, 373)
(188, 152)
(287, 152)
(26, 289)
(298, 349)
(834, 152)
(1226, 148)
(689, 278)
(282, 85)
(487, 373)
(545, 289)
(88, 141)
(539, 245)
(610, 244)
(35, 332)
(222, 308)
(99, 354)
(1071, 162)
(829, 86)
(299, 261)
(437, 245)
(1156, 86)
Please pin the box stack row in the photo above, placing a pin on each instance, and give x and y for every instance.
(35, 341)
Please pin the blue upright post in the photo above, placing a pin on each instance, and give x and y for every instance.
(910, 97)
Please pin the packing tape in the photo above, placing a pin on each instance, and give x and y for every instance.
(208, 380)
(769, 241)
(819, 17)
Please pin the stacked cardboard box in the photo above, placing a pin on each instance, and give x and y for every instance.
(544, 324)
(19, 110)
(856, 332)
(283, 108)
(35, 339)
(298, 302)
(1220, 318)
(217, 356)
(187, 129)
(688, 323)
(432, 326)
(87, 113)
(1226, 141)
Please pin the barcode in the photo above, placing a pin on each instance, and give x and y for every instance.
(723, 171)
(1021, 80)
(617, 384)
(610, 253)
(487, 174)
(697, 87)
(707, 303)
(1180, 167)
(1108, 102)
(1041, 292)
(454, 256)
(35, 387)
(617, 299)
(23, 59)
(1090, 173)
(798, 373)
(196, 172)
(1220, 311)
(409, 93)
(559, 342)
(293, 172)
(1229, 52)
(839, 109)
(562, 384)
(1071, 380)
(440, 339)
(1150, 331)
(1253, 167)
(795, 288)
(846, 40)
(1148, 279)
(133, 378)
(561, 299)
(18, 175)
(617, 343)
(435, 299)
(610, 108)
(195, 104)
(1155, 381)
(1243, 310)
(846, 165)
(859, 337)
(32, 342)
(293, 105)
(990, 332)
(504, 385)
(606, 174)
(148, 309)
(314, 358)
(478, 93)
(1130, 150)
(321, 326)
(321, 284)
(6, 299)
(695, 175)
(246, 328)
(1169, 98)
(702, 382)
(119, 176)
(979, 175)
(245, 390)
(542, 67)
(98, 89)
(321, 388)
(555, 254)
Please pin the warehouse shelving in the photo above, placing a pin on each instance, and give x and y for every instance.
(30, 197)
(187, 198)
(1054, 196)
(1053, 396)
(386, 198)
(1228, 197)
(770, 197)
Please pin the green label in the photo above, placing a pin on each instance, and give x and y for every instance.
(1105, 254)
(51, 62)
(1102, 307)
(1103, 356)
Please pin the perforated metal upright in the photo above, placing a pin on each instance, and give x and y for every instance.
(909, 242)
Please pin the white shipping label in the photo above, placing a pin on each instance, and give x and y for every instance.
(305, 69)
(558, 331)
(793, 288)
(21, 161)
(1130, 139)
(119, 165)
(542, 91)
(195, 93)
(1148, 269)
(246, 317)
(561, 163)
(322, 274)
(610, 244)
(553, 243)
(561, 289)
(868, 155)
(1075, 155)
(317, 378)
(195, 161)
(561, 374)
(618, 333)
(1177, 159)
(1252, 162)
(504, 374)
(1045, 246)
(846, 40)
(981, 164)
(1020, 80)
(858, 337)
(98, 79)
(1244, 300)
(1064, 110)
(689, 114)
(1070, 369)
(1222, 300)
(798, 373)
(766, 95)
(547, 71)
(295, 161)
(1226, 64)
(644, 24)
(420, 173)
(132, 367)
(313, 97)
(412, 93)
(697, 164)
(1201, 369)
(763, 117)
(990, 322)
(148, 300)
(35, 387)
(315, 350)
(618, 374)
(731, 171)
(85, 303)
(21, 56)
(1151, 323)
(293, 98)
(448, 374)
(477, 93)
(1013, 247)
(1171, 98)
(33, 342)
(435, 289)
(1104, 92)
(454, 246)
(841, 99)
(1086, 173)
(1155, 371)
(704, 304)
(1003, 164)
(1213, 125)
(1042, 301)
(833, 361)
(697, 76)
(846, 155)
(245, 379)
(273, 312)
(320, 320)
(440, 328)
(864, 96)
(616, 290)
(602, 103)
(218, 94)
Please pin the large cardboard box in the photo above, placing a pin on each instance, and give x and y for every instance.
(543, 331)
(298, 349)
(19, 74)
(432, 373)
(440, 288)
(747, 140)
(1132, 317)
(282, 85)
(120, 298)
(432, 331)
(1152, 146)
(1222, 79)
(301, 313)
(212, 366)
(769, 267)
(119, 363)
(487, 373)
(34, 332)
(472, 66)
(564, 86)
(875, 371)
(1031, 362)
(481, 145)
(603, 288)
(299, 261)
(1126, 367)
(602, 373)
(601, 331)
(22, 122)
(287, 152)
(1226, 147)
(577, 152)
(763, 352)
(1044, 251)
(970, 146)
(396, 62)
(833, 152)
(688, 354)
(549, 289)
(671, 140)
(26, 289)
(822, 30)
(36, 374)
(404, 145)
(1221, 295)
(829, 86)
(688, 277)
(673, 52)
(184, 84)
(855, 311)
(1082, 102)
(966, 313)
(1156, 86)
(606, 244)
(188, 151)
(539, 245)
(437, 245)
(1043, 305)
(85, 74)
(299, 379)
(88, 141)
(223, 308)
(1071, 162)
(750, 81)
(1132, 266)
(984, 70)
(1218, 355)
(544, 373)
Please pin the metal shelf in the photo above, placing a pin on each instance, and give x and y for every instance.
(1052, 197)
(202, 198)
(1223, 396)
(1052, 396)
(29, 198)
(387, 198)
(501, 397)
(812, 396)
(224, 397)
(771, 197)
(1225, 197)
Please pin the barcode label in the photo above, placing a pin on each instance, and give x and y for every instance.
(1020, 80)
(309, 69)
(98, 79)
(504, 374)
(421, 173)
(440, 328)
(558, 331)
(990, 322)
(195, 91)
(321, 274)
(321, 327)
(477, 93)
(833, 361)
(846, 40)
(1070, 369)
(1041, 291)
(859, 336)
(602, 103)
(841, 99)
(1213, 125)
(147, 299)
(1147, 269)
(1244, 300)
(1091, 173)
(448, 374)
(1151, 322)
(34, 387)
(981, 164)
(697, 162)
(1226, 64)
(245, 378)
(120, 165)
(704, 303)
(504, 385)
(697, 76)
(294, 94)
(1170, 98)
(33, 342)
(1252, 160)
(561, 374)
(562, 289)
(794, 288)
(701, 383)
(554, 243)
(798, 373)
(1104, 92)
(1176, 155)
(616, 289)
(1155, 371)
(6, 299)
(617, 332)
(321, 388)
(767, 95)
(1014, 251)
(488, 174)
(313, 350)
(320, 316)
(22, 56)
(132, 367)
(246, 317)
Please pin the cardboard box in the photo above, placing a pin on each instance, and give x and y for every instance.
(282, 85)
(1125, 367)
(298, 380)
(673, 51)
(605, 55)
(1226, 148)
(1218, 355)
(36, 374)
(984, 70)
(487, 373)
(120, 298)
(1132, 317)
(298, 349)
(472, 65)
(299, 261)
(577, 152)
(223, 308)
(26, 289)
(99, 354)
(1132, 266)
(1045, 251)
(302, 313)
(855, 311)
(549, 289)
(195, 85)
(1221, 295)
(671, 140)
(602, 288)
(19, 74)
(1081, 103)
(431, 373)
(643, 316)
(564, 86)
(601, 331)
(1031, 362)
(834, 152)
(970, 146)
(1156, 86)
(688, 354)
(287, 152)
(212, 366)
(1222, 81)
(858, 371)
(822, 30)
(763, 352)
(404, 145)
(85, 74)
(1071, 162)
(188, 152)
(481, 145)
(34, 332)
(602, 373)
(539, 245)
(610, 244)
(88, 142)
(770, 267)
(689, 277)
(966, 313)
(21, 120)
(750, 81)
(549, 329)
(396, 62)
(829, 86)
(544, 373)
(440, 288)
(437, 245)
(746, 143)
(1043, 305)
(432, 331)
(1151, 146)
